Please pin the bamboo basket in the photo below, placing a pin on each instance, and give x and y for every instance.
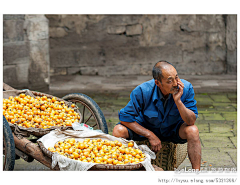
(170, 156)
(38, 132)
(99, 167)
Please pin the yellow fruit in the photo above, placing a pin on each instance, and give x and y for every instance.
(109, 160)
(98, 151)
(130, 144)
(51, 149)
(127, 151)
(137, 156)
(75, 154)
(53, 99)
(21, 95)
(120, 158)
(115, 162)
(126, 161)
(37, 110)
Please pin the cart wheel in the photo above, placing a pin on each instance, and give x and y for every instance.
(91, 112)
(8, 147)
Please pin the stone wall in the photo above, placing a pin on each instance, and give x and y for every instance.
(26, 51)
(231, 43)
(15, 51)
(110, 45)
(131, 44)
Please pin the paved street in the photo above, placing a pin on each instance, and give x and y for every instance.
(216, 101)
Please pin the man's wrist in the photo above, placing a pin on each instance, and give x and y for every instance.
(178, 101)
(149, 134)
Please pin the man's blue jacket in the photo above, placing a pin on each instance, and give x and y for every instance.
(146, 108)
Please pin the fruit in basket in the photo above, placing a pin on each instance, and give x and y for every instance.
(130, 144)
(98, 151)
(39, 112)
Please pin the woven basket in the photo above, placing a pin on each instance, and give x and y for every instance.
(38, 132)
(98, 167)
(170, 156)
(181, 153)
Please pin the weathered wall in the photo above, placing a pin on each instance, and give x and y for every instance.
(132, 44)
(15, 51)
(231, 43)
(114, 45)
(26, 51)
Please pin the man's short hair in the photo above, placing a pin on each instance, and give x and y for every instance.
(157, 70)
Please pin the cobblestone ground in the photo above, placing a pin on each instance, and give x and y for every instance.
(217, 125)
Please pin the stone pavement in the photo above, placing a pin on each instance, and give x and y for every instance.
(217, 124)
(216, 101)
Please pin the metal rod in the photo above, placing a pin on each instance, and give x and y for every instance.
(88, 119)
(94, 125)
(83, 113)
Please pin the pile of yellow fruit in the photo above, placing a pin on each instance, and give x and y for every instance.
(99, 151)
(39, 112)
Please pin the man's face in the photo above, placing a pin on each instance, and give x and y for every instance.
(169, 80)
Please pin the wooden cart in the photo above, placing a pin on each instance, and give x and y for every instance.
(15, 147)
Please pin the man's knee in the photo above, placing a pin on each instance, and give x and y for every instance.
(120, 131)
(192, 132)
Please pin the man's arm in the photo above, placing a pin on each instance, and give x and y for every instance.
(187, 115)
(153, 139)
(127, 118)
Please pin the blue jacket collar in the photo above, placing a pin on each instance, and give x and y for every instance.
(155, 94)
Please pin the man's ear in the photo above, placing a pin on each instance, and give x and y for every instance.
(157, 83)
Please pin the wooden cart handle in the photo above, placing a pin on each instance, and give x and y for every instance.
(33, 150)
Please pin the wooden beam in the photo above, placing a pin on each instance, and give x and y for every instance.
(23, 155)
(34, 151)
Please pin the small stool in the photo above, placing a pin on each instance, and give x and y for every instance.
(170, 156)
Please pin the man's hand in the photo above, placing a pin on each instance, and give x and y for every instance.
(178, 93)
(155, 143)
(153, 139)
(186, 114)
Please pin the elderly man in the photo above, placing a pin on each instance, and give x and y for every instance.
(162, 109)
